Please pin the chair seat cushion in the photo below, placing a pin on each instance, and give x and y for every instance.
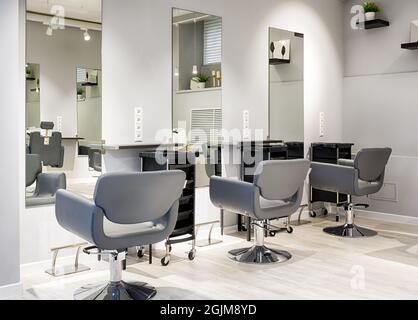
(115, 230)
(366, 188)
(273, 209)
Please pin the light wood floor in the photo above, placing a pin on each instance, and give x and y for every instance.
(322, 267)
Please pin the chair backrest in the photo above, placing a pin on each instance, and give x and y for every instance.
(51, 153)
(280, 179)
(129, 198)
(33, 168)
(371, 163)
(46, 125)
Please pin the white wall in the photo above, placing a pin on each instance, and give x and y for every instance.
(139, 75)
(381, 98)
(58, 57)
(12, 89)
(137, 63)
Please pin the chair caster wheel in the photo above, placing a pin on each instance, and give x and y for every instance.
(165, 261)
(192, 255)
(272, 233)
(312, 214)
(140, 254)
(289, 229)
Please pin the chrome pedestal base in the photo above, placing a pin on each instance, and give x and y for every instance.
(116, 291)
(259, 255)
(350, 231)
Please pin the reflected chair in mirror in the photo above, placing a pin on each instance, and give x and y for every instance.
(275, 193)
(362, 176)
(49, 147)
(128, 210)
(47, 184)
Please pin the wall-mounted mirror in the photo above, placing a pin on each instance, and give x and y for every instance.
(197, 82)
(286, 89)
(89, 115)
(61, 38)
(33, 95)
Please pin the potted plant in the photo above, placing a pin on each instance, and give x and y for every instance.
(201, 80)
(370, 10)
(80, 93)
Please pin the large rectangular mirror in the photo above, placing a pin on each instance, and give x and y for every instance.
(286, 89)
(197, 83)
(63, 98)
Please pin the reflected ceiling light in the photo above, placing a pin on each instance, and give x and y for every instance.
(86, 35)
(49, 31)
(195, 69)
(195, 65)
(176, 71)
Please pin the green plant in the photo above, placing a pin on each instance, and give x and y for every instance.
(80, 91)
(370, 7)
(202, 78)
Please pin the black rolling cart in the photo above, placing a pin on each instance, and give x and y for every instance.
(328, 153)
(185, 226)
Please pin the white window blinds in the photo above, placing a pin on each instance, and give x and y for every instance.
(206, 125)
(212, 47)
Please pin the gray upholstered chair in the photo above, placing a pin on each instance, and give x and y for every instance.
(362, 176)
(48, 147)
(95, 159)
(47, 184)
(276, 193)
(129, 210)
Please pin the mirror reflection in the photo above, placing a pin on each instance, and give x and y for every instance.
(286, 89)
(63, 99)
(197, 85)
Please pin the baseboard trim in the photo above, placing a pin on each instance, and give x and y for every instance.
(388, 217)
(11, 292)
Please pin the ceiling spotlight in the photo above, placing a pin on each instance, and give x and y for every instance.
(86, 35)
(49, 31)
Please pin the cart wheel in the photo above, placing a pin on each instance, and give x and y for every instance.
(165, 261)
(140, 253)
(272, 233)
(192, 254)
(312, 214)
(325, 212)
(289, 229)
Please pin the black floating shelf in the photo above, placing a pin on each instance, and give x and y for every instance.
(279, 61)
(374, 24)
(410, 45)
(89, 84)
(30, 79)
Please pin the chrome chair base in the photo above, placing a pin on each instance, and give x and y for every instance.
(259, 255)
(350, 231)
(116, 291)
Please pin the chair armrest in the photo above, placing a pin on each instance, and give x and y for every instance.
(334, 178)
(47, 184)
(346, 162)
(77, 214)
(233, 195)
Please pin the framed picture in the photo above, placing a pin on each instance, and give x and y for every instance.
(280, 49)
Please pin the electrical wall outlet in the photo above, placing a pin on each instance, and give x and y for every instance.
(321, 124)
(246, 132)
(59, 123)
(138, 121)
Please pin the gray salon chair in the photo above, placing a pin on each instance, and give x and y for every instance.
(95, 159)
(362, 176)
(276, 193)
(48, 147)
(47, 184)
(129, 209)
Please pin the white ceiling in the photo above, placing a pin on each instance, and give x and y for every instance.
(88, 10)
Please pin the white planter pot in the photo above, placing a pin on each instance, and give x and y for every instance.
(201, 85)
(370, 16)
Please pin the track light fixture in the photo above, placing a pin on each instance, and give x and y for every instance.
(86, 34)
